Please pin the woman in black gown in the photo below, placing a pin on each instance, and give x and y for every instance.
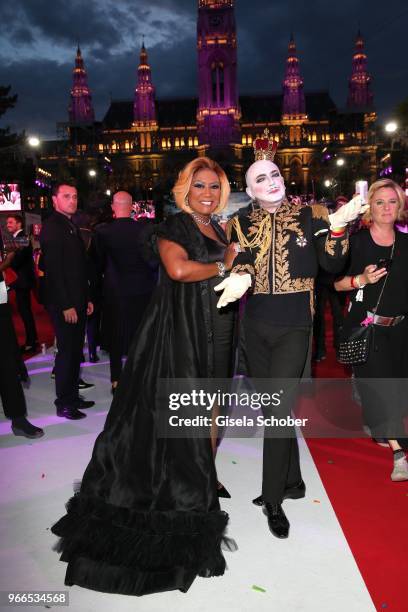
(378, 267)
(146, 517)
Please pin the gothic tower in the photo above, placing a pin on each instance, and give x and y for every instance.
(293, 94)
(144, 108)
(80, 108)
(218, 109)
(360, 96)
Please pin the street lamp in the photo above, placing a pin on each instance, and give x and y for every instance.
(391, 127)
(108, 192)
(33, 141)
(340, 161)
(327, 183)
(92, 173)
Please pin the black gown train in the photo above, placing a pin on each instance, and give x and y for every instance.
(146, 517)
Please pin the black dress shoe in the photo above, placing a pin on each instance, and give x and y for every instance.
(296, 492)
(22, 427)
(222, 491)
(277, 521)
(85, 403)
(70, 413)
(84, 385)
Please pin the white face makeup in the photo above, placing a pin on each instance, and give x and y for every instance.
(265, 184)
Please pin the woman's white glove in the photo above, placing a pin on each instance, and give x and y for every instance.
(234, 286)
(348, 212)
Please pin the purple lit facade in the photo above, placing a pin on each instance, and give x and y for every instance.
(218, 108)
(146, 139)
(294, 104)
(80, 109)
(144, 111)
(360, 96)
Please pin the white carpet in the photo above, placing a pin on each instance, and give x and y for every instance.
(312, 571)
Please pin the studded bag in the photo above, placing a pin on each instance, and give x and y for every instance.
(354, 349)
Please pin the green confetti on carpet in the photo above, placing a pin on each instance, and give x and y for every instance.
(234, 462)
(257, 588)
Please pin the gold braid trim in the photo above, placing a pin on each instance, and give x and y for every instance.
(320, 212)
(262, 239)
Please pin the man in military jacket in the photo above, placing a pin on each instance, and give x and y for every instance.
(282, 245)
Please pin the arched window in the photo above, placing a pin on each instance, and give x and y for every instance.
(164, 143)
(196, 141)
(190, 141)
(217, 83)
(244, 139)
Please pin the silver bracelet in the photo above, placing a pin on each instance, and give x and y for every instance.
(221, 268)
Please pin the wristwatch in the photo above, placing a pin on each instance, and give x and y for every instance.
(221, 268)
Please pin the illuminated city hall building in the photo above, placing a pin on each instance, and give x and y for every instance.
(142, 143)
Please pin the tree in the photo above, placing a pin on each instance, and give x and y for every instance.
(6, 103)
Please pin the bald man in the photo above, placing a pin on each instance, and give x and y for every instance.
(129, 279)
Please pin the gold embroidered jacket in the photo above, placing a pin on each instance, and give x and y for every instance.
(283, 251)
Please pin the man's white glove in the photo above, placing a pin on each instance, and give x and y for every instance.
(348, 212)
(234, 286)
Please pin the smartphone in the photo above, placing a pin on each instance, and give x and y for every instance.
(384, 263)
(362, 190)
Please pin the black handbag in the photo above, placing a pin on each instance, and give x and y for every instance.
(354, 346)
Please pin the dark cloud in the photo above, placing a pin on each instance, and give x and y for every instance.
(38, 41)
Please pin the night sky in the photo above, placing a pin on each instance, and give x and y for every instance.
(38, 41)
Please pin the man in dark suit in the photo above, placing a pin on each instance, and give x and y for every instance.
(23, 266)
(130, 275)
(66, 296)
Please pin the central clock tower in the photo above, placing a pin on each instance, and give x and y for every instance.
(218, 109)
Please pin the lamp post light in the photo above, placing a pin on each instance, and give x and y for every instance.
(34, 141)
(340, 161)
(92, 173)
(391, 127)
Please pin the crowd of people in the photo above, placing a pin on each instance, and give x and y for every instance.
(146, 517)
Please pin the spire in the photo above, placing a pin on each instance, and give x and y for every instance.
(80, 108)
(215, 3)
(144, 110)
(293, 94)
(360, 96)
(218, 105)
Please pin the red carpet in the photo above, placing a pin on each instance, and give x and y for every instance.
(42, 322)
(371, 509)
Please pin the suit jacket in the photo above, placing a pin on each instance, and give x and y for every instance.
(283, 251)
(124, 258)
(23, 266)
(65, 264)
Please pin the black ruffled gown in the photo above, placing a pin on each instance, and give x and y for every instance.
(147, 517)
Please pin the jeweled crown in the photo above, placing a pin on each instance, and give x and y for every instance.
(265, 147)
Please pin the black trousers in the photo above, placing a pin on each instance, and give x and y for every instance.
(324, 294)
(125, 317)
(278, 353)
(70, 344)
(23, 302)
(11, 391)
(382, 382)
